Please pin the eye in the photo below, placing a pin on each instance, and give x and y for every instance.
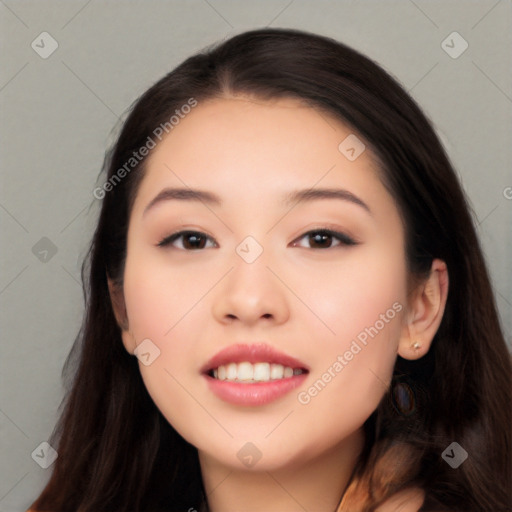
(323, 239)
(320, 238)
(193, 240)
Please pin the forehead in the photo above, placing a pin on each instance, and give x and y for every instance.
(245, 147)
(280, 127)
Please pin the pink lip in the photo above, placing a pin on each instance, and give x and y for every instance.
(258, 393)
(256, 353)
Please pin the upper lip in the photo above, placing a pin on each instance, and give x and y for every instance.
(255, 353)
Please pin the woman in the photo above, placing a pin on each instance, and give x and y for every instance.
(287, 304)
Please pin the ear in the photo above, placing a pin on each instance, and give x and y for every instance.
(119, 308)
(425, 313)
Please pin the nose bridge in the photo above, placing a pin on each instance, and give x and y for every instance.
(251, 291)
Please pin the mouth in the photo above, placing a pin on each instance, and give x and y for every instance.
(248, 373)
(253, 374)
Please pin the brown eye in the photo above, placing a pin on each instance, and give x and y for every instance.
(323, 239)
(192, 240)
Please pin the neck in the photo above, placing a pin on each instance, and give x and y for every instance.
(312, 484)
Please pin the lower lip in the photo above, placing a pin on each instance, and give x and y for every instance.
(259, 393)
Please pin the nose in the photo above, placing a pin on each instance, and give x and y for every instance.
(251, 294)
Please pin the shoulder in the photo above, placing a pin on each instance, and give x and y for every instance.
(408, 500)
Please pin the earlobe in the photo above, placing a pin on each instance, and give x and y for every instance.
(128, 341)
(426, 312)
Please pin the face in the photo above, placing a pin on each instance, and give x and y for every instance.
(319, 278)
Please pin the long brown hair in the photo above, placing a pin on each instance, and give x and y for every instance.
(117, 453)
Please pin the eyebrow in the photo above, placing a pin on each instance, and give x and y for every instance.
(290, 199)
(324, 193)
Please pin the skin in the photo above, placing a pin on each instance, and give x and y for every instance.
(306, 301)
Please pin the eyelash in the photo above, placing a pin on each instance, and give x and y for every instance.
(344, 239)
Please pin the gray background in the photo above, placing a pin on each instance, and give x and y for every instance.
(57, 117)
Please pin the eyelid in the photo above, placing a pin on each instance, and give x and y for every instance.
(166, 241)
(344, 239)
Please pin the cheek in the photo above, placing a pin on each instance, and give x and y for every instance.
(156, 306)
(158, 296)
(165, 306)
(362, 304)
(353, 294)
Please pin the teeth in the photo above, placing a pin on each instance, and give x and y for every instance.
(276, 371)
(258, 372)
(245, 371)
(261, 372)
(231, 371)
